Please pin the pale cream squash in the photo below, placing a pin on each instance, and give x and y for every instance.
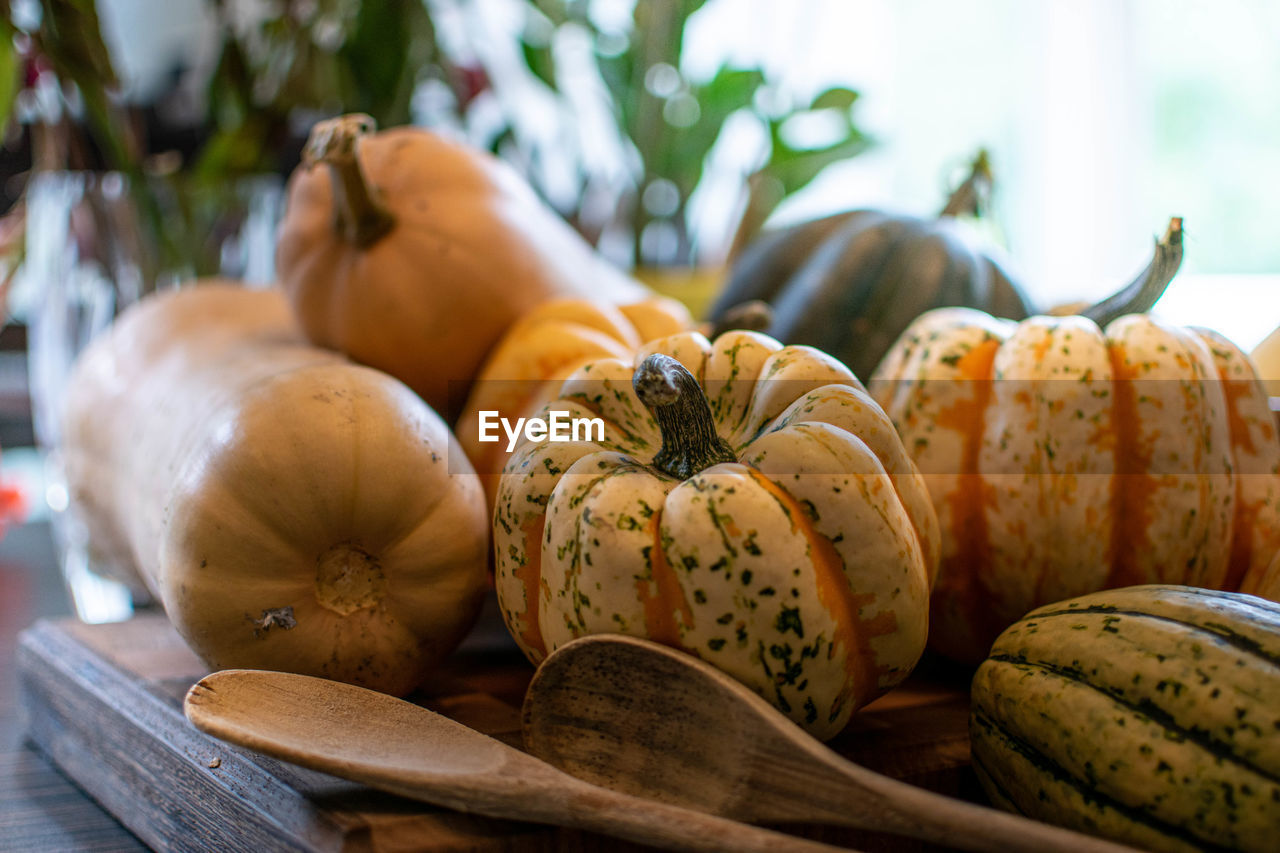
(748, 503)
(1063, 458)
(289, 509)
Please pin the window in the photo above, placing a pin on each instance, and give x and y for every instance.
(1103, 117)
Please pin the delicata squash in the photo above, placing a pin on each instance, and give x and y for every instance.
(290, 510)
(746, 502)
(1064, 457)
(1146, 714)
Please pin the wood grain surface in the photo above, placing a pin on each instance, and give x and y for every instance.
(104, 702)
(41, 811)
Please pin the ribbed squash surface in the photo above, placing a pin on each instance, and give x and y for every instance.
(1063, 459)
(542, 349)
(802, 569)
(1149, 714)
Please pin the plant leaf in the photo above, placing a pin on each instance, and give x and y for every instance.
(796, 169)
(540, 62)
(71, 38)
(10, 73)
(835, 98)
(387, 45)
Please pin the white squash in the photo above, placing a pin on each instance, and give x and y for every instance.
(748, 503)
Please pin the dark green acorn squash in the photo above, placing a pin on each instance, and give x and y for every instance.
(850, 283)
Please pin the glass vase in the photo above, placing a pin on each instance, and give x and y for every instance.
(96, 244)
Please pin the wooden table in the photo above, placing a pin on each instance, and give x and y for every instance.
(90, 686)
(40, 809)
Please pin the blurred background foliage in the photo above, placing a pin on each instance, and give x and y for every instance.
(1103, 117)
(591, 100)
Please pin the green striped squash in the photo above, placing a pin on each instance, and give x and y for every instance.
(1149, 714)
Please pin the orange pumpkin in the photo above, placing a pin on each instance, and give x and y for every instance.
(413, 253)
(542, 349)
(1267, 356)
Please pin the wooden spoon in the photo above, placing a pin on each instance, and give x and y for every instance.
(648, 720)
(399, 747)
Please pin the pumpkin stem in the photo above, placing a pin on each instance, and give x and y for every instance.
(1139, 295)
(676, 400)
(754, 315)
(972, 196)
(359, 215)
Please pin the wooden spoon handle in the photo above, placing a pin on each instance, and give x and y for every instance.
(406, 750)
(862, 798)
(558, 799)
(670, 827)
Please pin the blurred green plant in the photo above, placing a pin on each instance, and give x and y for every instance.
(275, 68)
(63, 38)
(318, 59)
(274, 73)
(282, 66)
(670, 123)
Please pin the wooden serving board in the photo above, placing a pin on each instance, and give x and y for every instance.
(105, 703)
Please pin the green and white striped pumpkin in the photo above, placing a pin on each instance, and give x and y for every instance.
(749, 503)
(1148, 714)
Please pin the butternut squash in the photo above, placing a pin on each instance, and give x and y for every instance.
(413, 253)
(290, 510)
(1266, 356)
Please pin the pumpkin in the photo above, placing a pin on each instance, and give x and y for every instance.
(744, 501)
(541, 350)
(851, 283)
(1267, 356)
(413, 253)
(290, 510)
(1265, 584)
(1147, 714)
(1064, 458)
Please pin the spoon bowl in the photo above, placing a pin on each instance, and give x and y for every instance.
(641, 718)
(626, 714)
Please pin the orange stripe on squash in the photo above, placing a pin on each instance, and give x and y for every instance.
(839, 600)
(661, 594)
(1246, 516)
(962, 576)
(530, 576)
(1242, 542)
(1246, 512)
(1041, 348)
(1133, 487)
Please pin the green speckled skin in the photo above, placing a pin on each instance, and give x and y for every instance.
(1149, 714)
(1065, 458)
(803, 569)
